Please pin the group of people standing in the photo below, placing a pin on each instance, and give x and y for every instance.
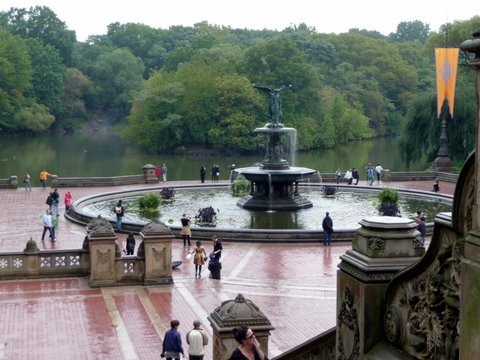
(352, 175)
(50, 218)
(161, 172)
(172, 348)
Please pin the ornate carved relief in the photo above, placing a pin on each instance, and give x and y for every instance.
(348, 332)
(423, 316)
(376, 243)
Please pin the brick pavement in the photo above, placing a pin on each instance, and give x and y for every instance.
(293, 284)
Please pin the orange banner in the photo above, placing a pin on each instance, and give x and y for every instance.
(446, 60)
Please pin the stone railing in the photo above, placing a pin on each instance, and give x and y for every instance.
(148, 176)
(11, 183)
(100, 258)
(320, 347)
(33, 263)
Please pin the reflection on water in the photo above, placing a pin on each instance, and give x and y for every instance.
(346, 208)
(106, 154)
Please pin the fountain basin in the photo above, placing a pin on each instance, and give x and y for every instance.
(265, 226)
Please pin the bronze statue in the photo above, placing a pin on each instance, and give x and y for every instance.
(275, 108)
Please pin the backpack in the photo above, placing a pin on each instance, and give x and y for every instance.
(118, 209)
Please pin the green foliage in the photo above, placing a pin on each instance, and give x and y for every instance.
(240, 187)
(148, 206)
(149, 201)
(388, 196)
(48, 75)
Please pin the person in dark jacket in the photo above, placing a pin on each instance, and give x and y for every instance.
(172, 342)
(130, 248)
(327, 225)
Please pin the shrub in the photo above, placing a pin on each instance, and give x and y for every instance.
(388, 196)
(388, 202)
(240, 187)
(148, 205)
(149, 201)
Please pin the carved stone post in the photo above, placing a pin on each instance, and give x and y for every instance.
(54, 182)
(31, 252)
(149, 173)
(233, 313)
(157, 249)
(103, 250)
(383, 246)
(470, 286)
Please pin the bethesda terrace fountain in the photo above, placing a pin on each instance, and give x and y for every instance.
(274, 184)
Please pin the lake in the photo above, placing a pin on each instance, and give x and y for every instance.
(108, 155)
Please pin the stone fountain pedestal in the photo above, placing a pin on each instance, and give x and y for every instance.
(274, 184)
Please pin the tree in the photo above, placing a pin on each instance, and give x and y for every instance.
(42, 23)
(119, 74)
(48, 75)
(411, 31)
(77, 88)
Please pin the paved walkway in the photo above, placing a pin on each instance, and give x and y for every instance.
(293, 284)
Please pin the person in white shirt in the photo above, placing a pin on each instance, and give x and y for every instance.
(379, 170)
(348, 176)
(48, 225)
(196, 340)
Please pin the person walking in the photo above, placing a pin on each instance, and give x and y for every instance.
(164, 172)
(119, 211)
(327, 225)
(44, 174)
(196, 340)
(130, 247)
(249, 347)
(436, 186)
(203, 171)
(67, 200)
(47, 225)
(371, 176)
(186, 232)
(199, 257)
(56, 200)
(26, 182)
(379, 171)
(338, 175)
(49, 201)
(172, 343)
(158, 172)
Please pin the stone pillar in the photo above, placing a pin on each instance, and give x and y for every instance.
(31, 252)
(383, 246)
(103, 250)
(54, 182)
(470, 270)
(14, 181)
(157, 249)
(233, 313)
(149, 173)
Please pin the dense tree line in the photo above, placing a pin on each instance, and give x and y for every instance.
(182, 87)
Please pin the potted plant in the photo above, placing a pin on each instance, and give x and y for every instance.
(388, 202)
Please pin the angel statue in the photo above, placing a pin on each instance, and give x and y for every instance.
(275, 108)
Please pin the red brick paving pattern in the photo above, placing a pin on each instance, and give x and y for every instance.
(293, 284)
